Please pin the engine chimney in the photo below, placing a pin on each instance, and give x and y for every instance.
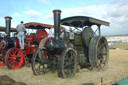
(57, 24)
(8, 26)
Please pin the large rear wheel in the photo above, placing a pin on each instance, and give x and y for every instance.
(39, 63)
(98, 52)
(14, 58)
(40, 57)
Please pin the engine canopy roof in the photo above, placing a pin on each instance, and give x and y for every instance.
(31, 25)
(81, 21)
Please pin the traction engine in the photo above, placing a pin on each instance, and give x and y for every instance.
(74, 49)
(10, 52)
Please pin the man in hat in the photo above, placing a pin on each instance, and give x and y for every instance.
(21, 29)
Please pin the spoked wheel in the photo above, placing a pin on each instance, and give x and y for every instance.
(2, 61)
(14, 58)
(68, 63)
(39, 64)
(98, 52)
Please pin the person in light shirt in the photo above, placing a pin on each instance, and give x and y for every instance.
(21, 34)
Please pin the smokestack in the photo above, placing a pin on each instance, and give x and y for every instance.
(8, 25)
(57, 24)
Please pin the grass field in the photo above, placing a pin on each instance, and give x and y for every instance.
(117, 69)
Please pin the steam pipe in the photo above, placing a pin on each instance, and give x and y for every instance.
(57, 24)
(8, 26)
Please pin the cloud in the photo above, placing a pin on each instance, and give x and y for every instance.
(81, 2)
(16, 15)
(45, 2)
(93, 11)
(119, 2)
(115, 13)
(49, 16)
(14, 25)
(33, 13)
(118, 10)
(2, 21)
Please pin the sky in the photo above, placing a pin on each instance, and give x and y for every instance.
(113, 11)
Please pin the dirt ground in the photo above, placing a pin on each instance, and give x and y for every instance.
(117, 69)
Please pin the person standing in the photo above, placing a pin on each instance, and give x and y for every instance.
(21, 31)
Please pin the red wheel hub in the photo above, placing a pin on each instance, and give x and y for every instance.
(15, 58)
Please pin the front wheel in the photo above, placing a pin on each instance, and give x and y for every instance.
(14, 58)
(68, 63)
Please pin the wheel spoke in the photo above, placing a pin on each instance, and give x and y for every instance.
(38, 70)
(16, 63)
(10, 59)
(103, 45)
(38, 60)
(13, 53)
(71, 57)
(11, 62)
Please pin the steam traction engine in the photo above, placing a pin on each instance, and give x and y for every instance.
(76, 48)
(2, 29)
(10, 52)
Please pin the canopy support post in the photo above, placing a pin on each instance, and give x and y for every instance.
(99, 30)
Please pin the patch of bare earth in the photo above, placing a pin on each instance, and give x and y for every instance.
(117, 69)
